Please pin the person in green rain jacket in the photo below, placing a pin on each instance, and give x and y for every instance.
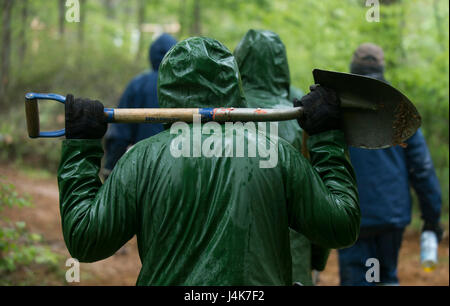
(204, 220)
(263, 64)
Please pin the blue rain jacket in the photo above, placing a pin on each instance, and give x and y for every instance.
(140, 93)
(384, 179)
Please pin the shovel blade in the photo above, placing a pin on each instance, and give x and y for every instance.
(374, 114)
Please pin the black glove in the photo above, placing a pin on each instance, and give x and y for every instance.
(435, 227)
(321, 111)
(84, 119)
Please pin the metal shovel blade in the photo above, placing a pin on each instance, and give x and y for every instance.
(374, 115)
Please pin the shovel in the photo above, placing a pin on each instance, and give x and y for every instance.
(374, 114)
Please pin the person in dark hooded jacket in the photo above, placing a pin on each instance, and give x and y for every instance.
(384, 179)
(262, 61)
(206, 219)
(140, 93)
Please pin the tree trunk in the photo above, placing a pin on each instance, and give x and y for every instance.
(440, 31)
(196, 19)
(128, 22)
(6, 46)
(82, 21)
(182, 17)
(141, 20)
(109, 9)
(61, 17)
(23, 32)
(402, 28)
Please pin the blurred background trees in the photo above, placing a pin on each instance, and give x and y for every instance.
(40, 51)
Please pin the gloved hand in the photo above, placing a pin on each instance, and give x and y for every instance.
(84, 119)
(435, 227)
(321, 111)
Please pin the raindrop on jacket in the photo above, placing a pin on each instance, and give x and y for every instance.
(206, 220)
(263, 64)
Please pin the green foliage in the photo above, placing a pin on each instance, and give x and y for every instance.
(317, 34)
(20, 249)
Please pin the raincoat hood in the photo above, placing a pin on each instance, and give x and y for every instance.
(159, 48)
(199, 72)
(263, 64)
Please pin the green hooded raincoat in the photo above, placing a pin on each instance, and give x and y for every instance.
(263, 64)
(206, 220)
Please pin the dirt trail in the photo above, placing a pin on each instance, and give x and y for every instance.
(123, 267)
(409, 271)
(44, 218)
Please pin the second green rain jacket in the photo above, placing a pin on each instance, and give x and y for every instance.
(263, 64)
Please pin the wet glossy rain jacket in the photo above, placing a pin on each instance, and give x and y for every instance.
(263, 64)
(206, 220)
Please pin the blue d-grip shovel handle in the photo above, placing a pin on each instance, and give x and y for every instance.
(32, 114)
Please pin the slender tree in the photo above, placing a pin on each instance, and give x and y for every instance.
(439, 25)
(128, 20)
(23, 32)
(182, 17)
(109, 6)
(61, 17)
(6, 46)
(141, 19)
(402, 27)
(81, 25)
(196, 19)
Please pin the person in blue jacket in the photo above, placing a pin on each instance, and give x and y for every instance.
(140, 93)
(384, 178)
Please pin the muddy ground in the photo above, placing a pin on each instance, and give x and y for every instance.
(123, 268)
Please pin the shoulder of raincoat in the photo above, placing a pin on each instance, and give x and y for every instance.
(263, 64)
(202, 220)
(140, 93)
